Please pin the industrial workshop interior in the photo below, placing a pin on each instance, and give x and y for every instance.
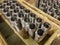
(29, 22)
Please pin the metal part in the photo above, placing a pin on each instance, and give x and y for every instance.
(39, 35)
(32, 29)
(32, 17)
(38, 22)
(46, 26)
(48, 6)
(19, 24)
(26, 23)
(22, 18)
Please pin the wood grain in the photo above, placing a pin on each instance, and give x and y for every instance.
(2, 41)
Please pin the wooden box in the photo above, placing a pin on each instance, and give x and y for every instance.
(52, 33)
(32, 4)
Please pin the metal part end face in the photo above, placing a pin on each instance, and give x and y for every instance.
(26, 19)
(16, 10)
(40, 32)
(46, 25)
(27, 11)
(13, 18)
(9, 13)
(22, 7)
(43, 6)
(38, 19)
(17, 4)
(12, 6)
(32, 26)
(8, 3)
(33, 15)
(5, 10)
(20, 14)
(19, 21)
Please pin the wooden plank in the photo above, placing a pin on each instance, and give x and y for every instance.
(31, 2)
(50, 40)
(43, 13)
(2, 41)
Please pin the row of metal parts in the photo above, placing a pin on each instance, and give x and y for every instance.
(52, 7)
(20, 18)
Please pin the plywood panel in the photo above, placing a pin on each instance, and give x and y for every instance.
(2, 41)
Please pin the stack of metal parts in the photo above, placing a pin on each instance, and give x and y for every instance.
(22, 18)
(51, 7)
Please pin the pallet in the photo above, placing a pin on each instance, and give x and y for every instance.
(30, 41)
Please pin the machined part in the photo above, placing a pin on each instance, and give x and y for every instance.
(51, 6)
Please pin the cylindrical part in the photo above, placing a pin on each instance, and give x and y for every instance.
(38, 22)
(13, 20)
(1, 6)
(32, 17)
(39, 35)
(9, 15)
(32, 29)
(46, 26)
(26, 23)
(26, 13)
(19, 24)
(21, 17)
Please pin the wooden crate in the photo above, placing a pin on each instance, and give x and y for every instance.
(33, 6)
(30, 41)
